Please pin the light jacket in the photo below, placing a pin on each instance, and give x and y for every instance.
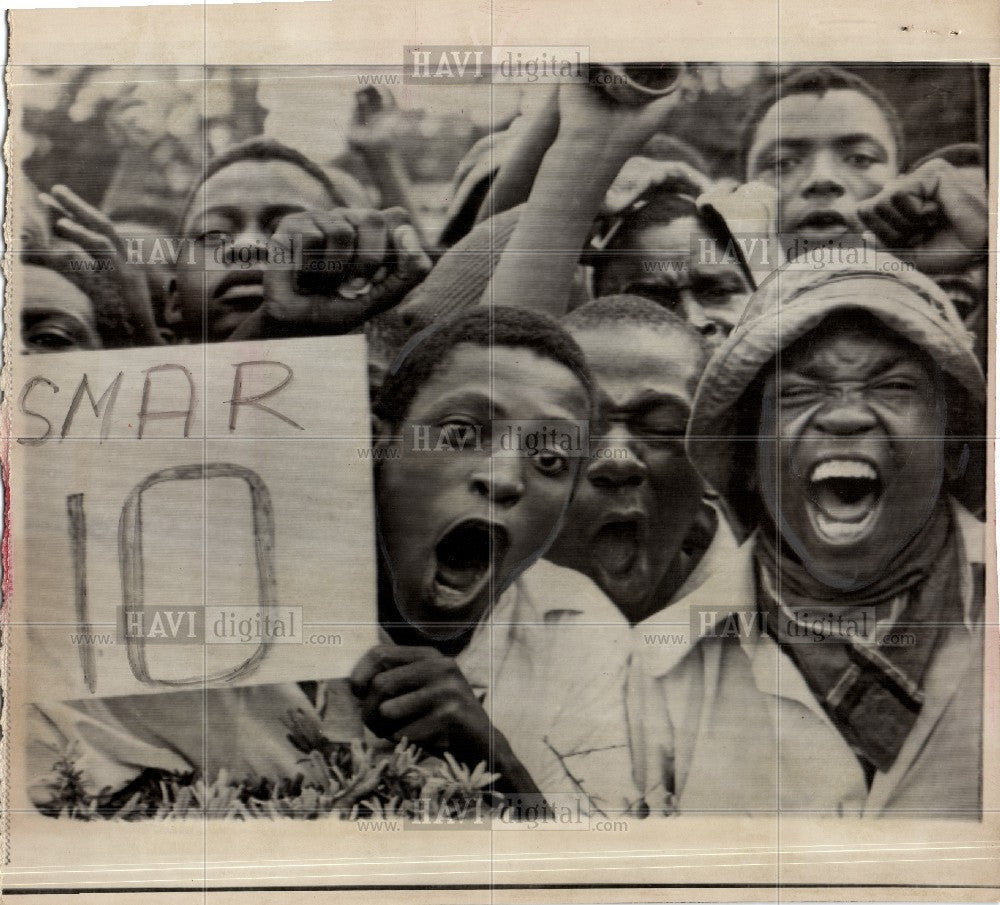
(728, 724)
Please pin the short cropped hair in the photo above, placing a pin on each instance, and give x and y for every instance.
(666, 203)
(428, 351)
(262, 149)
(611, 311)
(114, 326)
(816, 80)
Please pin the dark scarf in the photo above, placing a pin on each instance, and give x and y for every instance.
(870, 687)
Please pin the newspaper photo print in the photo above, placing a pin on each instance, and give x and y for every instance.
(505, 443)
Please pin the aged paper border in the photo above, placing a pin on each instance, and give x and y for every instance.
(677, 860)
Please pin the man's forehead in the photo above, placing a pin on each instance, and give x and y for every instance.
(501, 370)
(250, 184)
(669, 238)
(851, 339)
(47, 291)
(686, 243)
(642, 356)
(816, 117)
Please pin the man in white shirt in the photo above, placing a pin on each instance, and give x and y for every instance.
(496, 656)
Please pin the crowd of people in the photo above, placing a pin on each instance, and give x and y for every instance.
(783, 383)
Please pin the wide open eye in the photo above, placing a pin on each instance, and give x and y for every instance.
(549, 462)
(460, 432)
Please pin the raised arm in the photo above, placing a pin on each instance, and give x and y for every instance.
(595, 137)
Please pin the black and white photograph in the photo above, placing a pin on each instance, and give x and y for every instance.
(502, 440)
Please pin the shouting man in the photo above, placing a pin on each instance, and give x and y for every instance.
(836, 665)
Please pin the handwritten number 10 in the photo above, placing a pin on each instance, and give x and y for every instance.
(130, 560)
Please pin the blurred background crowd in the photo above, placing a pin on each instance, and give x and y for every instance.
(132, 141)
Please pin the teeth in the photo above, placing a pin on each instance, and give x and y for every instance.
(843, 468)
(843, 532)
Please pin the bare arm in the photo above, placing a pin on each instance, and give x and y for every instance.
(596, 137)
(530, 137)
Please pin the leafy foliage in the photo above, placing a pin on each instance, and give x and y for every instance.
(352, 780)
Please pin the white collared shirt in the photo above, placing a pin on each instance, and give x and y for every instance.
(551, 662)
(729, 723)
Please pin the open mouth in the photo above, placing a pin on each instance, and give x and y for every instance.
(823, 221)
(245, 296)
(616, 546)
(465, 561)
(844, 497)
(242, 289)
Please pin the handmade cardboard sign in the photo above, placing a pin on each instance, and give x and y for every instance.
(191, 517)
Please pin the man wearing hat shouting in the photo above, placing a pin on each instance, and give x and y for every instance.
(836, 667)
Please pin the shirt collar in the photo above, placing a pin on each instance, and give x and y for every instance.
(721, 590)
(723, 546)
(543, 594)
